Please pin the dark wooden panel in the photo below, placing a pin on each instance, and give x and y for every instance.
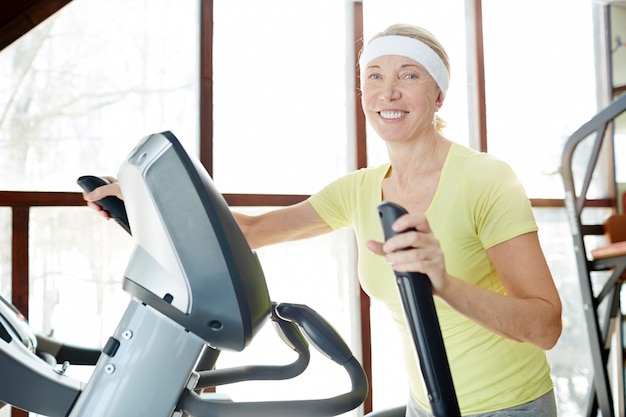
(361, 161)
(267, 200)
(37, 198)
(206, 85)
(9, 9)
(19, 260)
(559, 202)
(19, 17)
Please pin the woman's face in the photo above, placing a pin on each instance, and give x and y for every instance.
(399, 97)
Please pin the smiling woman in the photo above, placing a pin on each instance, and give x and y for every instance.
(464, 206)
(383, 85)
(450, 32)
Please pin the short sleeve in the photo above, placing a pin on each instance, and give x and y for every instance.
(503, 209)
(333, 202)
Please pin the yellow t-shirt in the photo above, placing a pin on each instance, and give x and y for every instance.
(479, 203)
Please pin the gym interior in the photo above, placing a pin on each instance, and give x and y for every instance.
(264, 93)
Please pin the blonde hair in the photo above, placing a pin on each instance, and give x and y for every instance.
(424, 36)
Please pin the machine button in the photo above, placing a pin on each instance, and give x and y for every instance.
(110, 349)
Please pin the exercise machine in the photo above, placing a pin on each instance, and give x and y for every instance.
(196, 288)
(601, 297)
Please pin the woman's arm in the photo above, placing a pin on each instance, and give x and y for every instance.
(529, 312)
(299, 221)
(531, 309)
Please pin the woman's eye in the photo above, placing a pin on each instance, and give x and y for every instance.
(374, 76)
(410, 76)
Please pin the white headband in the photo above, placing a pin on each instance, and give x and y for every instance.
(410, 48)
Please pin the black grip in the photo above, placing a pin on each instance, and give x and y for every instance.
(321, 334)
(111, 204)
(419, 307)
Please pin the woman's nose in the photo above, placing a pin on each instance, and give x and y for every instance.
(389, 92)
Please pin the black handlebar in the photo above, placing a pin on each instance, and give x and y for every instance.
(419, 307)
(290, 334)
(112, 205)
(323, 337)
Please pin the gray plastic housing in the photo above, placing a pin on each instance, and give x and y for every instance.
(29, 382)
(147, 372)
(191, 261)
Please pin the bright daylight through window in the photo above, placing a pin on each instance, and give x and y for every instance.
(81, 89)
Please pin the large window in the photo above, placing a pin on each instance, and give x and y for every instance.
(83, 87)
(97, 77)
(77, 263)
(77, 93)
(282, 116)
(282, 95)
(540, 84)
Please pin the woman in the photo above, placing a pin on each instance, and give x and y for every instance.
(477, 238)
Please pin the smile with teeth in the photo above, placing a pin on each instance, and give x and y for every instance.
(388, 114)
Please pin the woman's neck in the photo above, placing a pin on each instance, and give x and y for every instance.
(415, 171)
(414, 159)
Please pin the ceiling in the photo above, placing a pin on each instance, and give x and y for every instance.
(18, 17)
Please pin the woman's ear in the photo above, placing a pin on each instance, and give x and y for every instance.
(439, 100)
